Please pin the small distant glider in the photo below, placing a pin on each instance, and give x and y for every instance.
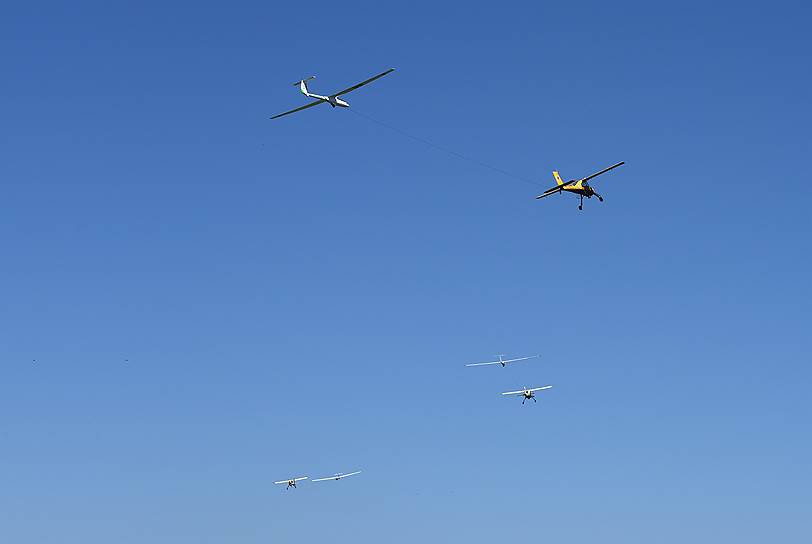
(528, 393)
(291, 482)
(332, 99)
(578, 186)
(338, 476)
(503, 362)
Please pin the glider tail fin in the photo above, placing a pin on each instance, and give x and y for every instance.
(302, 84)
(558, 179)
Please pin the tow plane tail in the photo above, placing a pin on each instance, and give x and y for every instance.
(558, 179)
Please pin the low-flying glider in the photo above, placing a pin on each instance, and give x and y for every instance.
(503, 362)
(338, 476)
(528, 393)
(291, 482)
(579, 187)
(332, 99)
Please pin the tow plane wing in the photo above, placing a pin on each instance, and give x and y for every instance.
(292, 480)
(522, 392)
(551, 191)
(596, 174)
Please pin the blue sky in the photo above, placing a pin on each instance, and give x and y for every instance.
(299, 296)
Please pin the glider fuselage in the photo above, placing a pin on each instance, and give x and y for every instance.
(332, 100)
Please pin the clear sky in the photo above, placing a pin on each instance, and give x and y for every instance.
(299, 296)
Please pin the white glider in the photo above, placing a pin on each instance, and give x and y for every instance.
(338, 476)
(291, 482)
(332, 99)
(503, 362)
(528, 393)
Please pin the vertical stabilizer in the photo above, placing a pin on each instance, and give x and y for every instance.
(302, 84)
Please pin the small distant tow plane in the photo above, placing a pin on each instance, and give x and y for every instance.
(338, 476)
(332, 99)
(503, 362)
(579, 187)
(291, 482)
(528, 393)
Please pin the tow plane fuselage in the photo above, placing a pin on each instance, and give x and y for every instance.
(579, 187)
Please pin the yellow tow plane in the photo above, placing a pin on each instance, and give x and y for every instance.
(579, 187)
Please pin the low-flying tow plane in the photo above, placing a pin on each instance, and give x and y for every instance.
(291, 482)
(338, 476)
(332, 99)
(580, 187)
(528, 393)
(503, 362)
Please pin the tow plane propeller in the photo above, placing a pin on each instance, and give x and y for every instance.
(528, 393)
(332, 99)
(580, 187)
(503, 362)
